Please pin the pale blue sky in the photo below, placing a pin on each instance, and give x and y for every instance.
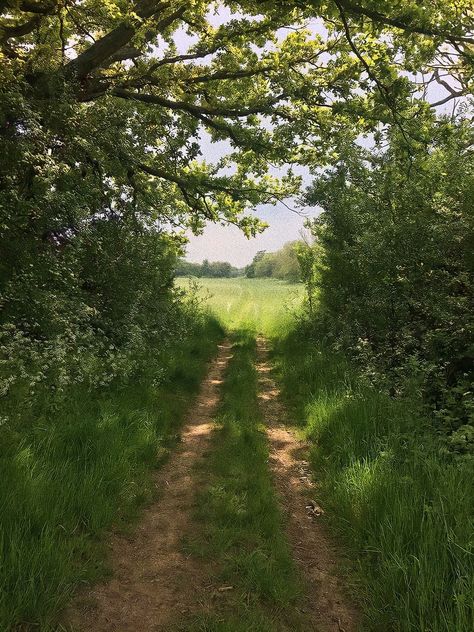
(227, 243)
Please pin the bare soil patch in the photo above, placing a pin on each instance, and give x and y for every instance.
(327, 606)
(153, 582)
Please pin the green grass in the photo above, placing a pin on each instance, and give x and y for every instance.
(69, 477)
(404, 509)
(239, 514)
(264, 305)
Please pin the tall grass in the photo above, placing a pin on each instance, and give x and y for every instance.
(403, 507)
(76, 472)
(241, 525)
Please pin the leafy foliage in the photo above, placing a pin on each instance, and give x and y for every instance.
(101, 122)
(395, 264)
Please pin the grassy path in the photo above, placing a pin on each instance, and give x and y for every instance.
(241, 527)
(275, 568)
(229, 545)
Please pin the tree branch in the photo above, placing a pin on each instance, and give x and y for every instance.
(402, 23)
(383, 90)
(111, 43)
(237, 74)
(30, 6)
(381, 87)
(18, 30)
(188, 56)
(198, 110)
(127, 52)
(449, 97)
(161, 173)
(216, 184)
(220, 41)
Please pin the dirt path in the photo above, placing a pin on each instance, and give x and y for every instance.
(326, 606)
(153, 582)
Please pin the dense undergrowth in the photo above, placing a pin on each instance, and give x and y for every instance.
(81, 466)
(239, 514)
(401, 502)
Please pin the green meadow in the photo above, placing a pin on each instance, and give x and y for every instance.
(263, 305)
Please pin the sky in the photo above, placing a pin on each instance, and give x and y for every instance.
(227, 243)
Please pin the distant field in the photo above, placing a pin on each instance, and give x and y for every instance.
(260, 304)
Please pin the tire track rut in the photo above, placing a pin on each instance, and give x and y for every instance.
(326, 606)
(153, 583)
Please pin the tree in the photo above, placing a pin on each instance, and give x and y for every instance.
(286, 266)
(205, 268)
(188, 269)
(214, 269)
(250, 269)
(282, 264)
(99, 102)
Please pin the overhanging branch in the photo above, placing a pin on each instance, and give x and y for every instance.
(111, 43)
(402, 23)
(198, 110)
(18, 30)
(30, 6)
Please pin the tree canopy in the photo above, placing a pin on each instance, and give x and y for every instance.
(211, 269)
(105, 106)
(98, 100)
(393, 265)
(282, 264)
